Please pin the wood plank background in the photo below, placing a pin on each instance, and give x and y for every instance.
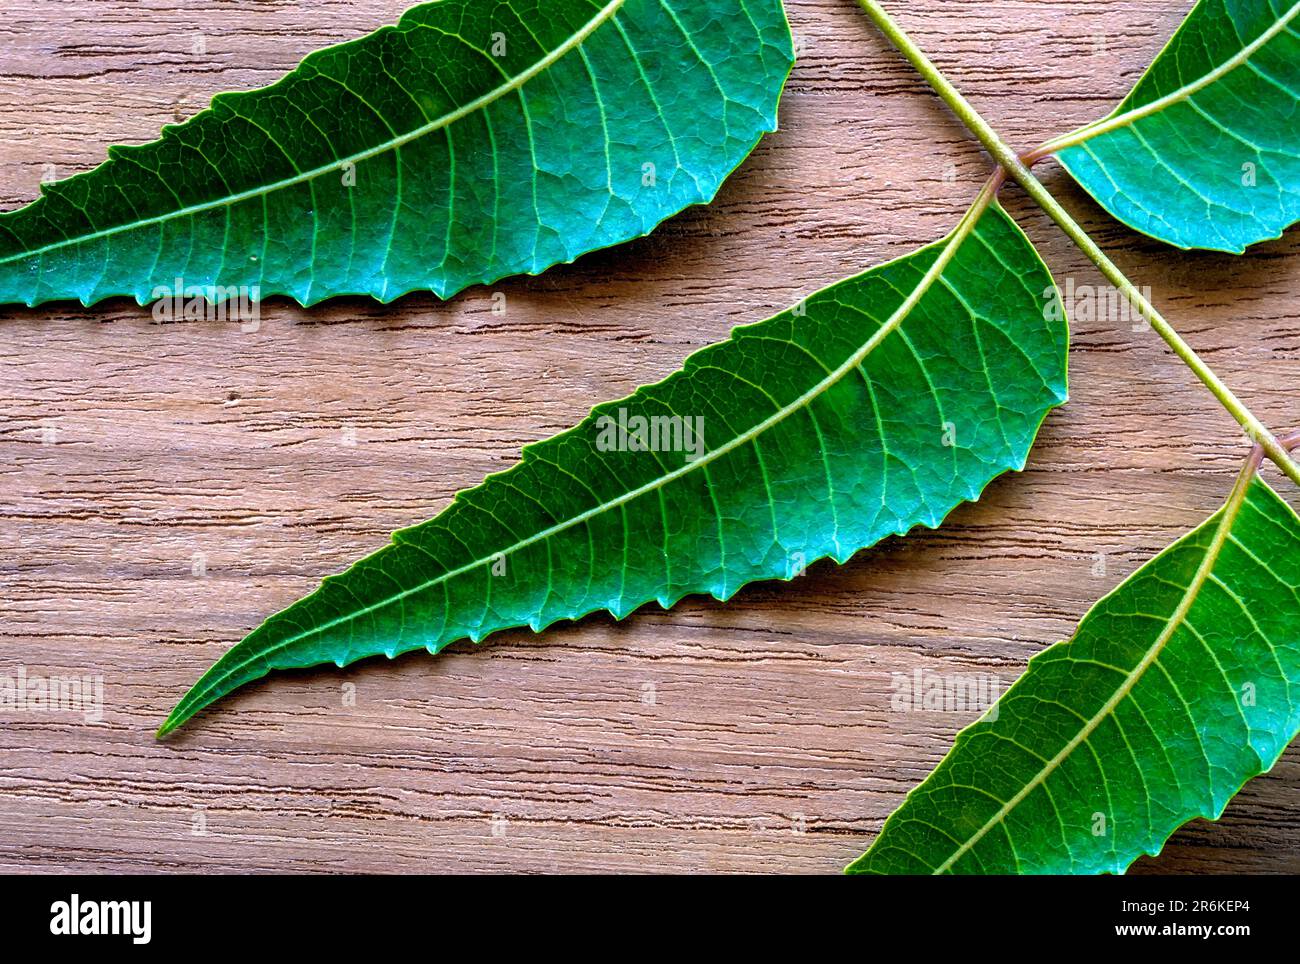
(164, 487)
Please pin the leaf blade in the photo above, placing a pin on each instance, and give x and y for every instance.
(465, 166)
(820, 453)
(1205, 151)
(988, 808)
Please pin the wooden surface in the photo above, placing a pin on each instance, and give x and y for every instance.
(164, 487)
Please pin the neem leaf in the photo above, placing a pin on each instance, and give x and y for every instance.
(1205, 152)
(472, 141)
(1177, 688)
(875, 406)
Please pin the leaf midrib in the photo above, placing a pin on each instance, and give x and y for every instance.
(512, 84)
(1176, 620)
(950, 247)
(1128, 117)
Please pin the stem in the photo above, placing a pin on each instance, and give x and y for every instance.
(1251, 468)
(1020, 173)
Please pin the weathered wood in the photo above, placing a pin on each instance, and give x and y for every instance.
(163, 487)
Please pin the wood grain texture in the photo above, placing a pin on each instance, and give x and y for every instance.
(164, 487)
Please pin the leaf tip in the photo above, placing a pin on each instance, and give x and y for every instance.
(175, 720)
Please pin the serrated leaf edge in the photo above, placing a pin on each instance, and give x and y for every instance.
(195, 699)
(606, 14)
(1223, 521)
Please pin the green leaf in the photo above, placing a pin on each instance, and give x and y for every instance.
(875, 406)
(1177, 688)
(1205, 152)
(474, 140)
